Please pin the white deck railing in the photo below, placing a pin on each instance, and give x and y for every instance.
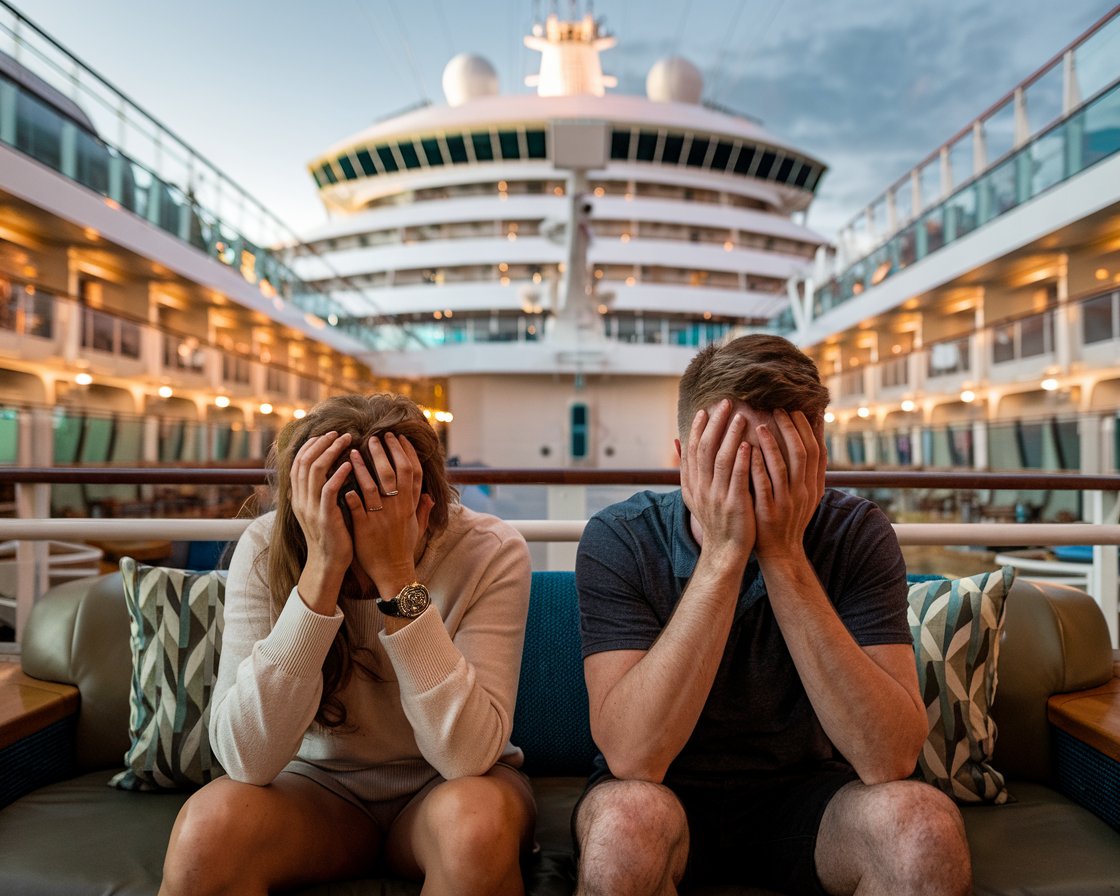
(1100, 578)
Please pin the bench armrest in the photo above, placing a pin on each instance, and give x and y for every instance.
(1087, 747)
(37, 722)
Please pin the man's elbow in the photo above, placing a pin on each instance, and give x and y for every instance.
(896, 764)
(626, 765)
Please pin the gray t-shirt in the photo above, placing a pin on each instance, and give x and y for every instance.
(634, 561)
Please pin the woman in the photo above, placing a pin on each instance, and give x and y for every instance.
(365, 693)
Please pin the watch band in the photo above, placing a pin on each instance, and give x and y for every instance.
(410, 602)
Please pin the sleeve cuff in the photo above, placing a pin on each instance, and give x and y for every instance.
(422, 652)
(300, 639)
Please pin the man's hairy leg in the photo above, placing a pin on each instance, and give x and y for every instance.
(902, 838)
(633, 840)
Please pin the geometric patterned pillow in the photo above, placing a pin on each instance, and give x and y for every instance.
(956, 624)
(176, 621)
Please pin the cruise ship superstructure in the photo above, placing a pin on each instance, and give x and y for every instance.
(969, 317)
(558, 256)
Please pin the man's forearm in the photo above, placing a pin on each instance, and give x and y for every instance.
(645, 719)
(870, 716)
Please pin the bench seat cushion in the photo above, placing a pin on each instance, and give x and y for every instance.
(1043, 844)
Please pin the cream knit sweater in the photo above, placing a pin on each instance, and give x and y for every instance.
(447, 681)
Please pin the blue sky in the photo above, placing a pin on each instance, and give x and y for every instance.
(261, 86)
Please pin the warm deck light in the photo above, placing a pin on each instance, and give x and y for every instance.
(222, 401)
(829, 417)
(299, 413)
(863, 412)
(908, 405)
(1049, 384)
(265, 408)
(83, 379)
(968, 396)
(165, 392)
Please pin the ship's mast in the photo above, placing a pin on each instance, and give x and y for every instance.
(570, 66)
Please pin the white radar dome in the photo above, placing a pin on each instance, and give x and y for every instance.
(674, 80)
(467, 77)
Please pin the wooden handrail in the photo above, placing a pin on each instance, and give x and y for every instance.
(569, 476)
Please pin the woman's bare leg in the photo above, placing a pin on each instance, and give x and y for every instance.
(244, 839)
(466, 837)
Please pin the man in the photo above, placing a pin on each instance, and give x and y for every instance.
(751, 677)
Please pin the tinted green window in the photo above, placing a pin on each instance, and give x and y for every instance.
(647, 144)
(768, 160)
(457, 146)
(785, 169)
(721, 156)
(743, 162)
(671, 151)
(385, 155)
(347, 167)
(432, 151)
(620, 144)
(697, 152)
(802, 175)
(814, 178)
(328, 174)
(317, 175)
(538, 148)
(508, 142)
(579, 427)
(408, 155)
(9, 436)
(366, 161)
(483, 150)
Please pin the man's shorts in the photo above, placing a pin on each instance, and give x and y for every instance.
(759, 832)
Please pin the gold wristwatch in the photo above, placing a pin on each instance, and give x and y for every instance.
(410, 602)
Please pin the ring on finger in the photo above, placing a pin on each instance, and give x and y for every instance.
(391, 494)
(374, 509)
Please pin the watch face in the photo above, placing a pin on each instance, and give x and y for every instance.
(413, 600)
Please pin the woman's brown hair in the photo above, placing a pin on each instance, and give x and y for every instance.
(363, 417)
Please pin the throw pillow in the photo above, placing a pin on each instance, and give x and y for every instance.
(175, 618)
(957, 625)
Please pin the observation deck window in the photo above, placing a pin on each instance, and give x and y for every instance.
(744, 160)
(366, 161)
(347, 167)
(785, 169)
(457, 147)
(767, 162)
(483, 147)
(722, 155)
(620, 145)
(507, 141)
(536, 144)
(409, 155)
(327, 173)
(388, 161)
(671, 152)
(698, 152)
(647, 146)
(432, 152)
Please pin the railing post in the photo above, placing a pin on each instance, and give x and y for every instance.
(1104, 579)
(565, 502)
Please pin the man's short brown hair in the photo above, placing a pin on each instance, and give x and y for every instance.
(766, 372)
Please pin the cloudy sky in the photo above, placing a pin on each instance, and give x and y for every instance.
(261, 86)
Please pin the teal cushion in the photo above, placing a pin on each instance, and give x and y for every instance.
(175, 619)
(956, 624)
(551, 722)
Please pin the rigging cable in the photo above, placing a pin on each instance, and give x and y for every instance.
(719, 63)
(761, 33)
(441, 14)
(408, 51)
